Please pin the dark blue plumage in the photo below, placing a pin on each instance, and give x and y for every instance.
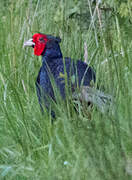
(53, 66)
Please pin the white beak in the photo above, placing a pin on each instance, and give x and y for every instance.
(29, 43)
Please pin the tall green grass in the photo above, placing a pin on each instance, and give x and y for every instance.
(83, 145)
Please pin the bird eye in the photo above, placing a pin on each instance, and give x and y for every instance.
(41, 39)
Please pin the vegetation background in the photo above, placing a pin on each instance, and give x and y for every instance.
(84, 145)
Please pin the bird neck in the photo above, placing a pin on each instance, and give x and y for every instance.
(52, 55)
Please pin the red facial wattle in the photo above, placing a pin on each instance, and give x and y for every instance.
(40, 41)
